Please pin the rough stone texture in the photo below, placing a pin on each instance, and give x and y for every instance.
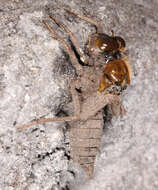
(34, 73)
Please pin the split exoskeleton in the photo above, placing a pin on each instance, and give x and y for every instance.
(105, 72)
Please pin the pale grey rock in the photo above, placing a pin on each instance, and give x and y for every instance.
(34, 77)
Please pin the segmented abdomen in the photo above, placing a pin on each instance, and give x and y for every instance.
(85, 139)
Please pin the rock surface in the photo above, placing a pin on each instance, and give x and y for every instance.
(34, 76)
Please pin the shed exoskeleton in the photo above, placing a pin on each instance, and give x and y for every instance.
(94, 79)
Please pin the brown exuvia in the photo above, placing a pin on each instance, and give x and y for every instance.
(105, 72)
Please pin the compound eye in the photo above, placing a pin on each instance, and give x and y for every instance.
(100, 44)
(103, 46)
